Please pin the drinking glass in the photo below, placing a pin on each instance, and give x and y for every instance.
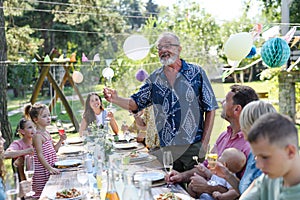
(61, 129)
(82, 178)
(12, 186)
(168, 162)
(29, 171)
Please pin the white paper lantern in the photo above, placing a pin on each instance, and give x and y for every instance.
(108, 73)
(77, 77)
(136, 47)
(238, 46)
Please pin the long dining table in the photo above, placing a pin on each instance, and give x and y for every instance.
(74, 155)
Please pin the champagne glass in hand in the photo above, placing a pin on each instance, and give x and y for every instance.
(168, 162)
(29, 171)
(12, 186)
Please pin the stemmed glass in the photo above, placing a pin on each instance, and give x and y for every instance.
(12, 186)
(168, 162)
(29, 171)
(126, 132)
(82, 178)
(61, 129)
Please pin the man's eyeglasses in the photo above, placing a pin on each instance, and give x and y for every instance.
(166, 46)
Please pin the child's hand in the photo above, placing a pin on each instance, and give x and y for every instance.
(63, 137)
(54, 171)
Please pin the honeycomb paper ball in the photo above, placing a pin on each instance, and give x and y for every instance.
(275, 52)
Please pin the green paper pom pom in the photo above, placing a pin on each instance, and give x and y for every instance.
(275, 52)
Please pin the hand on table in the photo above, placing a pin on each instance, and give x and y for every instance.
(174, 177)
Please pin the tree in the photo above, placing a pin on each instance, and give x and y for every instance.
(5, 125)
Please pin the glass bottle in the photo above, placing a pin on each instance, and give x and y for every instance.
(145, 190)
(129, 191)
(111, 193)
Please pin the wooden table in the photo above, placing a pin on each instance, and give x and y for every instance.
(68, 177)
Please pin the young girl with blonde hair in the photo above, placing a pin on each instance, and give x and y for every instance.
(45, 150)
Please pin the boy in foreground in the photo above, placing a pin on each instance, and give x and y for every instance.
(274, 142)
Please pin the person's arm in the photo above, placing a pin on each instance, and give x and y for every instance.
(207, 129)
(59, 143)
(12, 153)
(140, 123)
(251, 186)
(83, 127)
(37, 143)
(113, 123)
(199, 185)
(229, 195)
(177, 177)
(222, 171)
(127, 103)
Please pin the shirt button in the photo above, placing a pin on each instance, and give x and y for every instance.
(173, 115)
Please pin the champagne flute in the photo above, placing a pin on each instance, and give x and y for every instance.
(12, 186)
(61, 129)
(29, 171)
(168, 162)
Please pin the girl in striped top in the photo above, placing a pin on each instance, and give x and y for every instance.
(44, 148)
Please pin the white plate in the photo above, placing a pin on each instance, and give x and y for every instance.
(53, 197)
(70, 149)
(125, 145)
(180, 195)
(152, 175)
(140, 156)
(74, 140)
(68, 163)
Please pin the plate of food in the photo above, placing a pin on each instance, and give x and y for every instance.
(130, 145)
(151, 175)
(67, 194)
(135, 156)
(172, 196)
(67, 163)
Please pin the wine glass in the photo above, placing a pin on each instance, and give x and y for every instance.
(82, 178)
(168, 162)
(12, 186)
(29, 171)
(61, 129)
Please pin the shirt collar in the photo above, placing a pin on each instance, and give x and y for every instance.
(239, 134)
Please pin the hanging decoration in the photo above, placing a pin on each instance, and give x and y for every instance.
(73, 57)
(96, 57)
(275, 52)
(84, 58)
(108, 73)
(141, 75)
(47, 59)
(252, 52)
(238, 46)
(77, 77)
(136, 47)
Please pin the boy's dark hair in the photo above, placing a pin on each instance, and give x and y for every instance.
(276, 128)
(243, 95)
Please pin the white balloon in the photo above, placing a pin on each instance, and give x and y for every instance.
(108, 72)
(238, 46)
(233, 63)
(77, 77)
(136, 47)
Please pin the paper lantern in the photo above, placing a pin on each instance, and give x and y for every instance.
(108, 73)
(141, 75)
(252, 52)
(77, 77)
(275, 52)
(238, 46)
(136, 47)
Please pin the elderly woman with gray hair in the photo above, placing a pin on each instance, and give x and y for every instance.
(249, 115)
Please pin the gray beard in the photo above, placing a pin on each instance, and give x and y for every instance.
(169, 61)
